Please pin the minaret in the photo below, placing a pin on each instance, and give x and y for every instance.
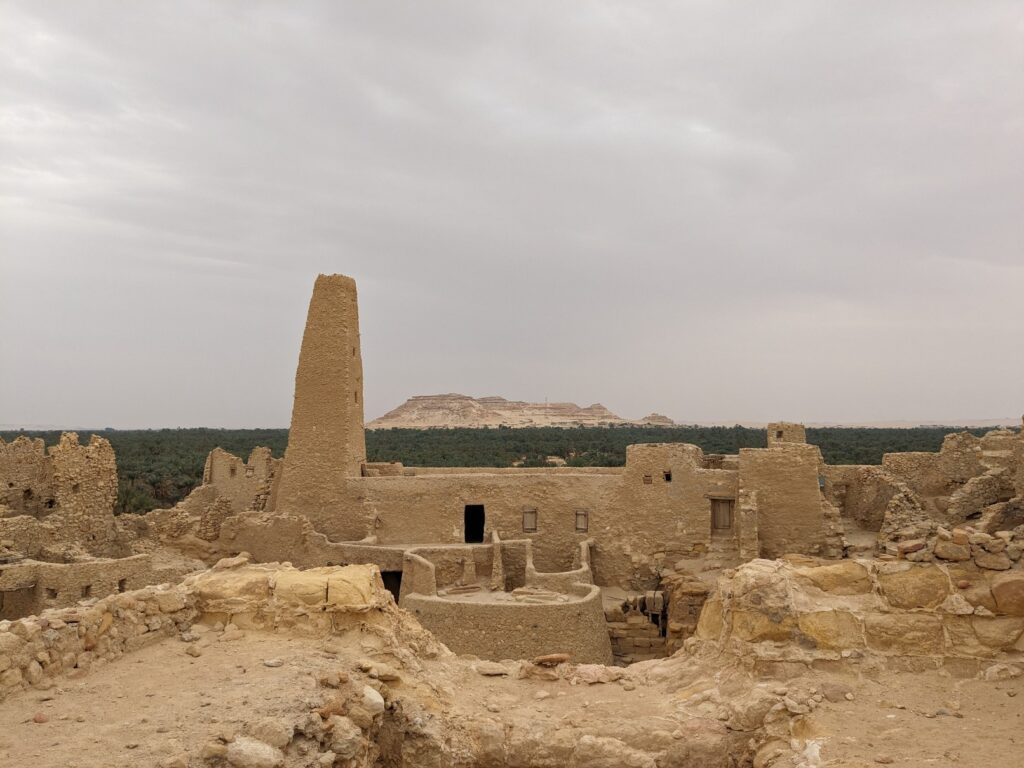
(326, 441)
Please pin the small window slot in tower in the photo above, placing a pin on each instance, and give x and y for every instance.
(582, 521)
(529, 520)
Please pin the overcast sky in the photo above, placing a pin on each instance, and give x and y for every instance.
(717, 211)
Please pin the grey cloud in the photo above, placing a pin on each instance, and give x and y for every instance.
(712, 210)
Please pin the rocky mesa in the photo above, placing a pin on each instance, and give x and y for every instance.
(454, 410)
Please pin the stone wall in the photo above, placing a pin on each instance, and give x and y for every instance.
(26, 478)
(85, 486)
(72, 486)
(861, 493)
(790, 513)
(634, 638)
(69, 641)
(30, 586)
(246, 485)
(807, 610)
(786, 432)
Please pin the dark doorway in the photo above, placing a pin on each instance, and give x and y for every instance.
(392, 582)
(474, 524)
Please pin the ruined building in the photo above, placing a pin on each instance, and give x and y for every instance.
(480, 554)
(684, 610)
(500, 562)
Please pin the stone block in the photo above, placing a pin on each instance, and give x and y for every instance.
(904, 633)
(947, 550)
(915, 587)
(1008, 592)
(834, 630)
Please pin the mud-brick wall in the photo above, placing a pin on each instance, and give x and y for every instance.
(508, 630)
(26, 477)
(32, 586)
(246, 485)
(789, 500)
(85, 486)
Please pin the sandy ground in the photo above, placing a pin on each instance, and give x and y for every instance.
(152, 704)
(925, 720)
(158, 702)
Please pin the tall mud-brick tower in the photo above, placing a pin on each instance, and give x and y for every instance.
(326, 443)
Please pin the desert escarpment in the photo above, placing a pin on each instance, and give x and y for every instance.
(454, 410)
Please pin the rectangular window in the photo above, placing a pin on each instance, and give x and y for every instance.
(668, 475)
(648, 479)
(529, 520)
(582, 521)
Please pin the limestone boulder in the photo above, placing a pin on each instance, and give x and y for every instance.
(993, 561)
(245, 752)
(346, 738)
(833, 630)
(843, 578)
(356, 588)
(904, 633)
(755, 627)
(606, 752)
(920, 587)
(998, 632)
(274, 731)
(947, 550)
(709, 625)
(231, 591)
(301, 587)
(1008, 592)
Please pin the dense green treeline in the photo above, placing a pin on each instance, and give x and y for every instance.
(158, 467)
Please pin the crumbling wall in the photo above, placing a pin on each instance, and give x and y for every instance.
(789, 499)
(26, 535)
(42, 585)
(937, 475)
(245, 485)
(37, 649)
(685, 597)
(85, 487)
(861, 493)
(61, 498)
(633, 636)
(786, 432)
(26, 478)
(970, 500)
